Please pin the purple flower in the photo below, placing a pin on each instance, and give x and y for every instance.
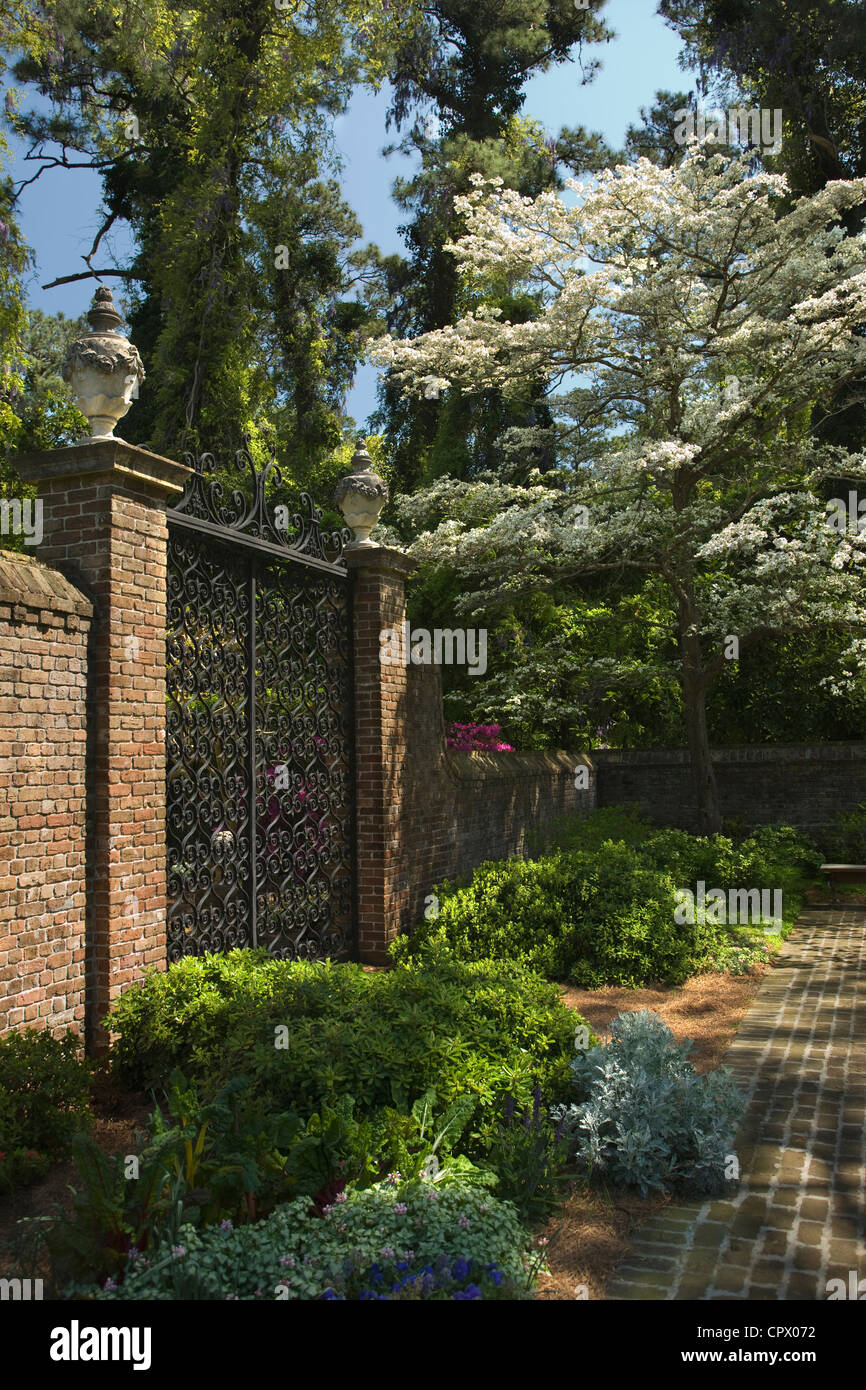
(178, 1251)
(400, 1208)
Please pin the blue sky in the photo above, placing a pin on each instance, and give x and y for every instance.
(60, 213)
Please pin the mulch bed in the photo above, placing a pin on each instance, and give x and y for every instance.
(590, 1233)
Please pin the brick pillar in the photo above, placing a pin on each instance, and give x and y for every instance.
(104, 528)
(379, 601)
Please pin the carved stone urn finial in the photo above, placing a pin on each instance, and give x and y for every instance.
(361, 495)
(103, 368)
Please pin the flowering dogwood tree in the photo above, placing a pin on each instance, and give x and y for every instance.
(689, 321)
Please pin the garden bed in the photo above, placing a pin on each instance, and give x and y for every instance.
(284, 1103)
(591, 1232)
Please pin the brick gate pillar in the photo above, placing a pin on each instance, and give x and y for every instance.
(379, 602)
(104, 527)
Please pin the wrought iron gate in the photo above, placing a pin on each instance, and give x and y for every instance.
(259, 814)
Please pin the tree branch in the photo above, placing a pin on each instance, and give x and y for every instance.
(88, 275)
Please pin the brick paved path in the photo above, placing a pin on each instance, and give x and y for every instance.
(797, 1218)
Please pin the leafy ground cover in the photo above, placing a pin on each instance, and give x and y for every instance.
(585, 1226)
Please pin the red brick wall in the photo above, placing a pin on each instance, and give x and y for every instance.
(104, 524)
(425, 814)
(378, 601)
(44, 623)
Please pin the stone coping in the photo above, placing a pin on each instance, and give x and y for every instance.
(479, 766)
(741, 753)
(378, 557)
(105, 460)
(25, 582)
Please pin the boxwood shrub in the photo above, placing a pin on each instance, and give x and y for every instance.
(307, 1032)
(594, 917)
(601, 911)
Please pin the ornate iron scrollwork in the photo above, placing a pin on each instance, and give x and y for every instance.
(260, 823)
(247, 512)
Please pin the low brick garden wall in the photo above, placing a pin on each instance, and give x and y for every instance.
(44, 624)
(459, 809)
(807, 785)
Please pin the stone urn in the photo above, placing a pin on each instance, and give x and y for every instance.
(103, 368)
(361, 495)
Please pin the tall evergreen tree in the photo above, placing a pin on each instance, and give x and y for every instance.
(461, 78)
(210, 123)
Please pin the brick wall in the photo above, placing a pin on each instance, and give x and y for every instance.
(105, 528)
(44, 625)
(459, 809)
(82, 753)
(805, 785)
(425, 814)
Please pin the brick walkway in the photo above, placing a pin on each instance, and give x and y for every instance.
(797, 1218)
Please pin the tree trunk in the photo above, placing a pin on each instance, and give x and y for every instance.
(703, 773)
(695, 707)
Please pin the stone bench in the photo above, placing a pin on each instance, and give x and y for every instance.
(843, 873)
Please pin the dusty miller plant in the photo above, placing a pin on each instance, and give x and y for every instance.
(647, 1118)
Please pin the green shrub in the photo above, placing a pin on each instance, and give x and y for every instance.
(528, 1156)
(595, 917)
(602, 912)
(773, 856)
(307, 1032)
(295, 1254)
(845, 841)
(44, 1094)
(20, 1167)
(623, 824)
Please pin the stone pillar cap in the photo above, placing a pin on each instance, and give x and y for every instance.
(382, 557)
(105, 460)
